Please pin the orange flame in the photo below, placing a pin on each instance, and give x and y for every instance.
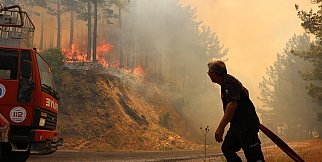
(103, 48)
(139, 71)
(102, 51)
(76, 55)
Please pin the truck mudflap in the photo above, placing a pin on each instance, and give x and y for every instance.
(45, 142)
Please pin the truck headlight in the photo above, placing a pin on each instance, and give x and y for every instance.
(42, 122)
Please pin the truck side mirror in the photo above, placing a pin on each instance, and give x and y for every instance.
(26, 68)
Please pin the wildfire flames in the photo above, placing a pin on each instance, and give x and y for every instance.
(138, 71)
(76, 55)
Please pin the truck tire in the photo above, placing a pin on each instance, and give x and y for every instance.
(5, 149)
(19, 156)
(7, 155)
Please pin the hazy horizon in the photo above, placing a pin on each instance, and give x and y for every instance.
(254, 34)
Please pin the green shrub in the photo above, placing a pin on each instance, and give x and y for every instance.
(54, 58)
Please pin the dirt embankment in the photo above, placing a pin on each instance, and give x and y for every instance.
(117, 112)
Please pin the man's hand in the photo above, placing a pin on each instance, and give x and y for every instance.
(218, 134)
(228, 115)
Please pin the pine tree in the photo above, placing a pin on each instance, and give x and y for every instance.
(282, 91)
(312, 23)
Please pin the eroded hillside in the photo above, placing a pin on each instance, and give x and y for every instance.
(113, 110)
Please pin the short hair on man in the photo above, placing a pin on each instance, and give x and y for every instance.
(217, 66)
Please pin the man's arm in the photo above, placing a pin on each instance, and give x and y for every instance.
(228, 115)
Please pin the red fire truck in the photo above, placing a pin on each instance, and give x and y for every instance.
(28, 96)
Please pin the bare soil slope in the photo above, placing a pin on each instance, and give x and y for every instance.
(117, 112)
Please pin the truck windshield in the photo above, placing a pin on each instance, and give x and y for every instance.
(47, 80)
(8, 64)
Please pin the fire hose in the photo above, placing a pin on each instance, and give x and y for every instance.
(281, 144)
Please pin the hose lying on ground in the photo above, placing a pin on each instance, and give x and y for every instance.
(281, 144)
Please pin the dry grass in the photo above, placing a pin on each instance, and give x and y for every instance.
(309, 150)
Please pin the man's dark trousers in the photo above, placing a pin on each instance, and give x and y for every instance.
(247, 140)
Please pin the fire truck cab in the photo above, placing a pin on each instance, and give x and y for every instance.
(28, 96)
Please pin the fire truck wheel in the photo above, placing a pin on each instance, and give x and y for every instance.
(6, 155)
(5, 149)
(20, 156)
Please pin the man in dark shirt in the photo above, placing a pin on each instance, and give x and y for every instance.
(240, 112)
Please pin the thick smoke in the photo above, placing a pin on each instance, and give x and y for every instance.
(174, 48)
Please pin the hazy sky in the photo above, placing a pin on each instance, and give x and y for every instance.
(253, 30)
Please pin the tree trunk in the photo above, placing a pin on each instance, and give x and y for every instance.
(121, 39)
(71, 34)
(52, 35)
(89, 30)
(173, 70)
(41, 43)
(160, 64)
(58, 25)
(95, 32)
